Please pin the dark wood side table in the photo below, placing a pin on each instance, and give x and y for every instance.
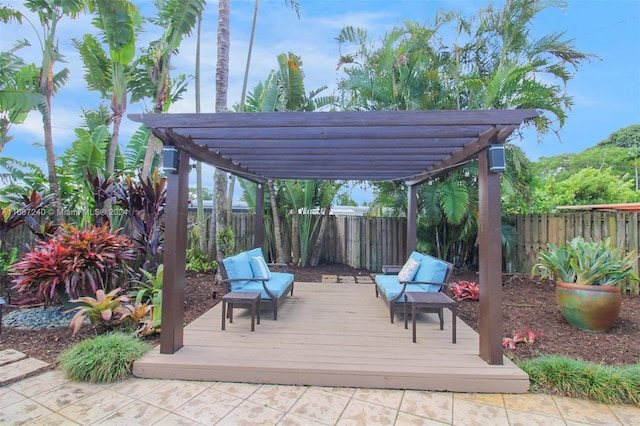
(252, 299)
(430, 300)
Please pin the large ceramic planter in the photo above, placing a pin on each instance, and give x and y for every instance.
(589, 307)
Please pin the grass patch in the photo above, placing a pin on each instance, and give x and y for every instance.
(106, 358)
(582, 379)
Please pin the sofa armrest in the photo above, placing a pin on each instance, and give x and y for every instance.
(391, 269)
(423, 282)
(231, 280)
(282, 266)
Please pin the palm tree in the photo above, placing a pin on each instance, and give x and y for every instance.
(222, 85)
(499, 64)
(18, 91)
(178, 18)
(118, 22)
(294, 5)
(50, 13)
(283, 90)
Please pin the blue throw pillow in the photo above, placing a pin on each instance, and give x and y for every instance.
(431, 270)
(260, 268)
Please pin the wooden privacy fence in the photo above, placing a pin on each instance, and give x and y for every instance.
(534, 231)
(356, 241)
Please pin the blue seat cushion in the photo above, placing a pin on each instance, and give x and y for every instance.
(431, 270)
(278, 284)
(391, 287)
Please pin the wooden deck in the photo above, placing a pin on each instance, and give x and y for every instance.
(331, 334)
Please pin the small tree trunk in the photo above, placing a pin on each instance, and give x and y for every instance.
(276, 222)
(295, 237)
(317, 248)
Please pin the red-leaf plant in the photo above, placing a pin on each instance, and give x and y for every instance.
(78, 262)
(466, 290)
(528, 337)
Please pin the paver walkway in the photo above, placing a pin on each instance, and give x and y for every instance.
(15, 364)
(50, 399)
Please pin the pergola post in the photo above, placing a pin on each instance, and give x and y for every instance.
(258, 225)
(412, 218)
(175, 254)
(490, 250)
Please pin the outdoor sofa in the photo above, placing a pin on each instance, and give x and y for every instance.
(248, 272)
(421, 273)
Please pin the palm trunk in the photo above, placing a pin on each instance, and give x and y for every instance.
(317, 248)
(276, 222)
(46, 88)
(222, 83)
(295, 237)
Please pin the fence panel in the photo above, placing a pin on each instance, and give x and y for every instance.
(535, 230)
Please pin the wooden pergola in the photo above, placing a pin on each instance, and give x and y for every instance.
(407, 146)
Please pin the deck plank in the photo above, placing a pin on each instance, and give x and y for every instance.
(331, 334)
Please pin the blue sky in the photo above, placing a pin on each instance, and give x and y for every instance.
(606, 91)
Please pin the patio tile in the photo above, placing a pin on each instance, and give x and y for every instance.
(627, 414)
(173, 393)
(136, 413)
(346, 392)
(580, 410)
(329, 278)
(278, 397)
(532, 403)
(347, 279)
(388, 397)
(432, 405)
(9, 397)
(53, 419)
(364, 279)
(10, 355)
(175, 420)
(38, 384)
(67, 393)
(22, 412)
(241, 390)
(294, 420)
(320, 405)
(469, 413)
(250, 413)
(95, 407)
(137, 388)
(522, 418)
(19, 368)
(363, 413)
(209, 406)
(483, 398)
(406, 419)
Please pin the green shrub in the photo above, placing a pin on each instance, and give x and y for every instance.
(103, 359)
(581, 379)
(198, 262)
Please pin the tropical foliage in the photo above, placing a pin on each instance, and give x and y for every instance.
(588, 263)
(76, 262)
(492, 61)
(105, 307)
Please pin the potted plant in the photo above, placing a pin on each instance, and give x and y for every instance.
(588, 277)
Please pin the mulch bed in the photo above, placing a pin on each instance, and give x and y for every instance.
(527, 303)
